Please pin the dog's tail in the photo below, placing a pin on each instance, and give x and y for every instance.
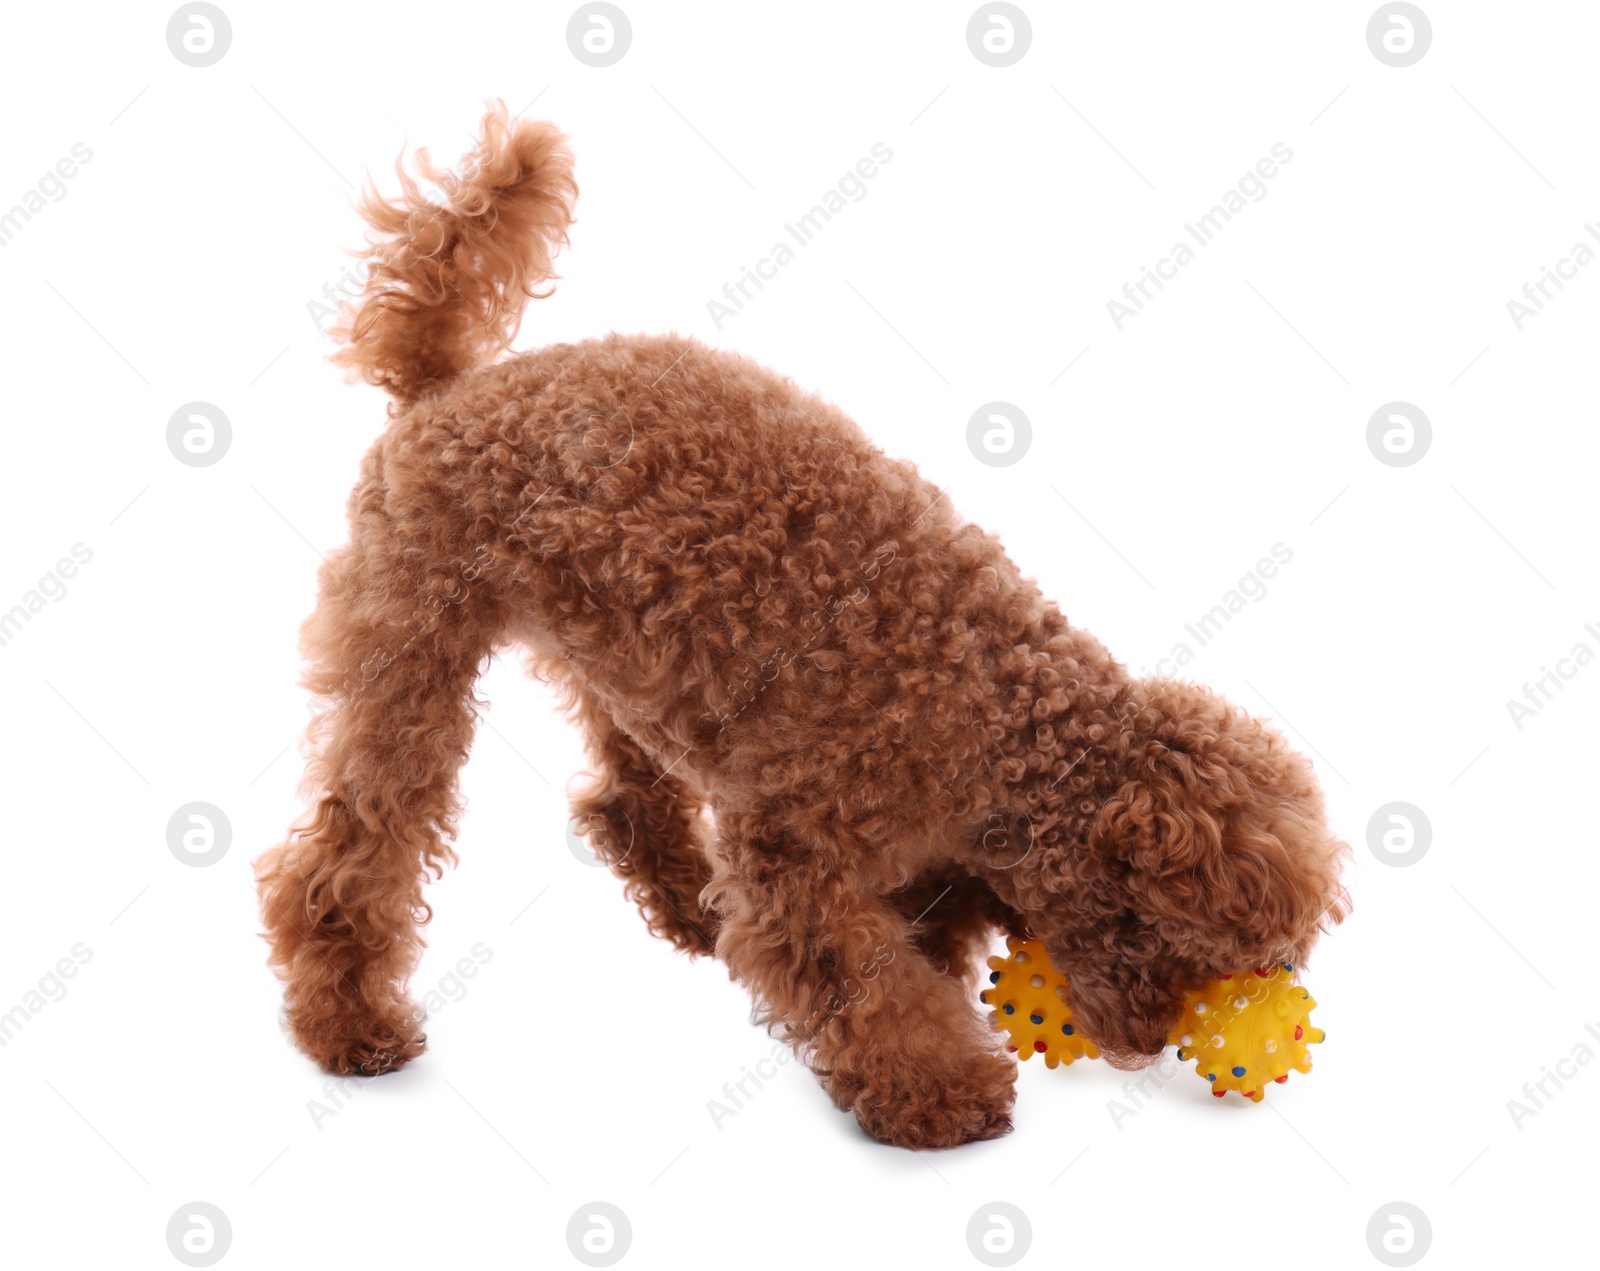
(447, 280)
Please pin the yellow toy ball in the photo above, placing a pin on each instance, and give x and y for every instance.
(1243, 1031)
(1030, 1000)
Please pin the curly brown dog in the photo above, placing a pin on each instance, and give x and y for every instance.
(753, 612)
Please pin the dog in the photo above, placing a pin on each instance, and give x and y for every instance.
(838, 740)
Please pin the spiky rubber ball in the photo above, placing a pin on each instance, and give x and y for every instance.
(1243, 1031)
(1029, 998)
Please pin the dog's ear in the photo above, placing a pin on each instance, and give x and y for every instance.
(1211, 858)
(1224, 852)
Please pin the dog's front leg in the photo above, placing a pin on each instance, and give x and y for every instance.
(836, 970)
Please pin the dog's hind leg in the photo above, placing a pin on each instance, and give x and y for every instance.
(646, 825)
(401, 630)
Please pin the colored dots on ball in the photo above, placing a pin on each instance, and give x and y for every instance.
(1250, 1038)
(1256, 1029)
(1036, 1006)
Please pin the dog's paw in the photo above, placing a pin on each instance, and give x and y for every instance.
(361, 1046)
(942, 1110)
(373, 1058)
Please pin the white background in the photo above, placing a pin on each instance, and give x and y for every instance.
(1228, 416)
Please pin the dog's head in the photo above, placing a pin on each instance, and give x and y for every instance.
(1213, 856)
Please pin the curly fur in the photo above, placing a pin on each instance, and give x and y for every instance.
(838, 739)
(446, 284)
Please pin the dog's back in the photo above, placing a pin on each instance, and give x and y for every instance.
(725, 562)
